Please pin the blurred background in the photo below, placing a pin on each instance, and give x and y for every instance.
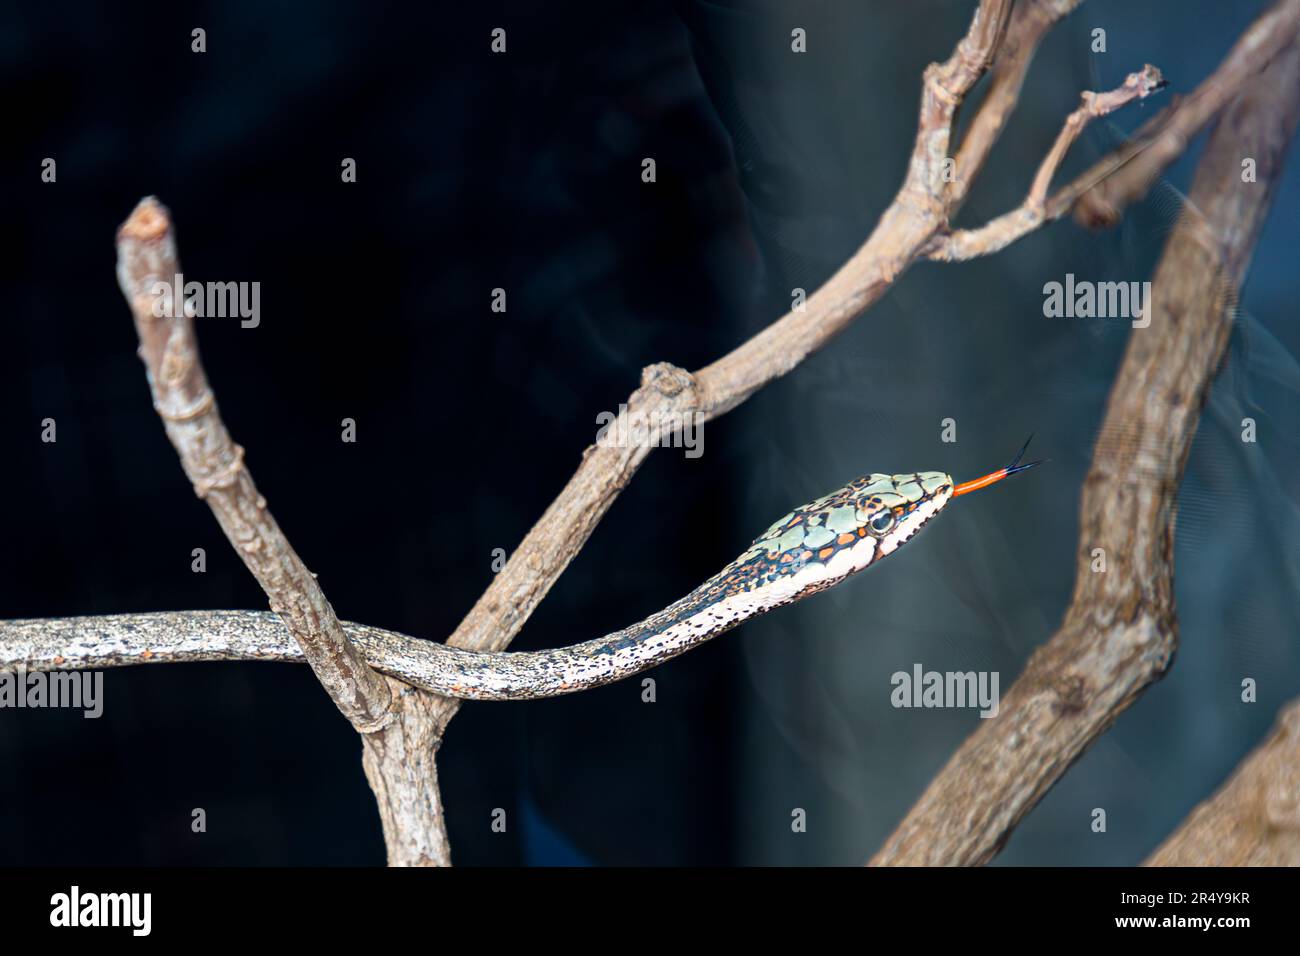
(522, 171)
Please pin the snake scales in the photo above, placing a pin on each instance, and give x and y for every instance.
(808, 550)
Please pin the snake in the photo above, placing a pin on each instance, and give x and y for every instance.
(812, 548)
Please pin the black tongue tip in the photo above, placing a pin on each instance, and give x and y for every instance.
(1017, 469)
(1015, 462)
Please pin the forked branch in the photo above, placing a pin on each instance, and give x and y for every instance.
(1120, 631)
(1032, 213)
(399, 760)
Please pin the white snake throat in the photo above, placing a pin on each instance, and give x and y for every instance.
(809, 550)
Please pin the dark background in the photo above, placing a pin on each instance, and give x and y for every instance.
(522, 171)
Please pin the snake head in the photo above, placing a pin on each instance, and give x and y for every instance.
(826, 540)
(893, 508)
(839, 534)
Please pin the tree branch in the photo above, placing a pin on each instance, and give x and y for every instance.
(916, 215)
(1030, 22)
(1120, 630)
(399, 731)
(401, 767)
(1254, 818)
(903, 228)
(996, 235)
(919, 212)
(147, 270)
(1100, 195)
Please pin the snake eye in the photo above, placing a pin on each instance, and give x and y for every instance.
(882, 522)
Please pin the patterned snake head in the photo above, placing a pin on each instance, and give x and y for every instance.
(826, 540)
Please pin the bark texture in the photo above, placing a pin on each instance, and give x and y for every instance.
(147, 271)
(1254, 818)
(1120, 632)
(402, 726)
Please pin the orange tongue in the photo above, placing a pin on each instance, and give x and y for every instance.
(1014, 468)
(978, 483)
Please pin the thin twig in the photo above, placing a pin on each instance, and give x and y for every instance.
(1030, 22)
(918, 213)
(915, 214)
(1120, 631)
(1100, 196)
(999, 233)
(667, 392)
